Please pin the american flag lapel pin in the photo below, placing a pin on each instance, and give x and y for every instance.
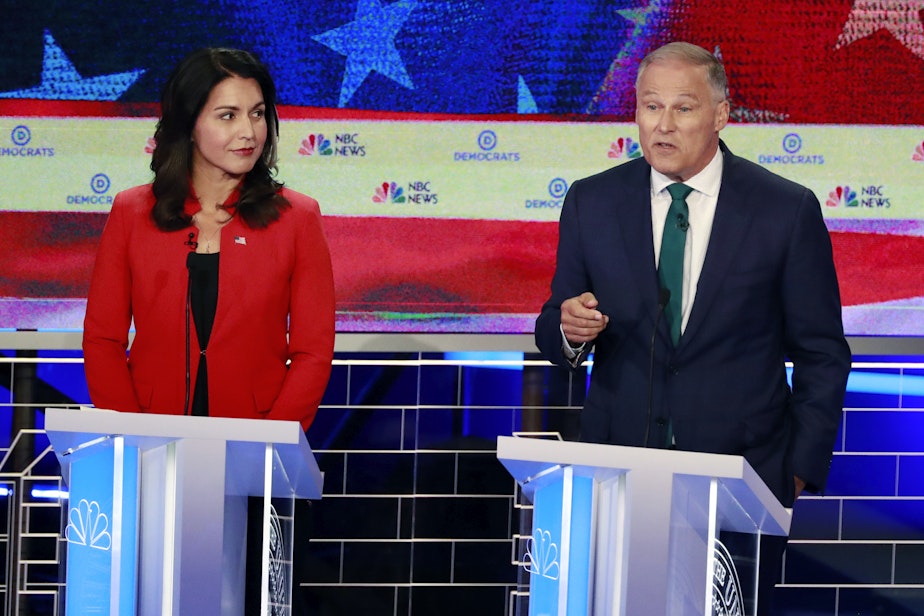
(240, 239)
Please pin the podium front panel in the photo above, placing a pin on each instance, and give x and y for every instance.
(715, 550)
(278, 524)
(276, 537)
(672, 533)
(689, 546)
(101, 531)
(196, 477)
(559, 552)
(735, 554)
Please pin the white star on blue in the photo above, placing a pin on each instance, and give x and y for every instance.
(368, 43)
(525, 101)
(61, 81)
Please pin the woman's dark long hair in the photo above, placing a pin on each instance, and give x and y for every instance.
(184, 96)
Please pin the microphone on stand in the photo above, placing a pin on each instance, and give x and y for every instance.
(189, 259)
(664, 297)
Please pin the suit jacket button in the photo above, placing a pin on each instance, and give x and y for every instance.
(674, 370)
(661, 421)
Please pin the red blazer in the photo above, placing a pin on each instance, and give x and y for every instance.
(271, 282)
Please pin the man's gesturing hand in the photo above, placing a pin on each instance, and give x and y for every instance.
(580, 320)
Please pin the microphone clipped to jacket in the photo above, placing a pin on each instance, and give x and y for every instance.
(664, 298)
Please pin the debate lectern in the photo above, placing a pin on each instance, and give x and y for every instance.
(157, 512)
(628, 531)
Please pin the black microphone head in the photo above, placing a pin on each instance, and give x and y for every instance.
(664, 297)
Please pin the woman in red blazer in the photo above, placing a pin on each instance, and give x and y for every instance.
(226, 274)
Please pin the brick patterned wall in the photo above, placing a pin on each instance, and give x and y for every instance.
(418, 515)
(860, 549)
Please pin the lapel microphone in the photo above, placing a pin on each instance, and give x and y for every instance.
(664, 297)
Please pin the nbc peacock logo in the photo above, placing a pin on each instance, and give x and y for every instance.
(842, 196)
(316, 145)
(388, 192)
(624, 147)
(541, 556)
(88, 525)
(918, 155)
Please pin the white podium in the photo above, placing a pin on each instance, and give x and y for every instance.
(158, 510)
(630, 531)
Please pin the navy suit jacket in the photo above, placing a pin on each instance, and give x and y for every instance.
(767, 293)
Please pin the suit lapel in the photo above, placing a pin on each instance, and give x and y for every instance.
(635, 231)
(729, 228)
(231, 265)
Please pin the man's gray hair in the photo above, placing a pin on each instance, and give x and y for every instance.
(694, 55)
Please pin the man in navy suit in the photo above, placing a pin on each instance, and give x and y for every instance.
(758, 288)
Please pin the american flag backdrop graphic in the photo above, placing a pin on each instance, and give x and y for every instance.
(818, 62)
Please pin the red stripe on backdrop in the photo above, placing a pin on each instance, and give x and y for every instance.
(40, 108)
(422, 265)
(874, 268)
(433, 265)
(380, 264)
(37, 108)
(47, 254)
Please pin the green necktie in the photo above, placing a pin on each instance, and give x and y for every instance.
(670, 263)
